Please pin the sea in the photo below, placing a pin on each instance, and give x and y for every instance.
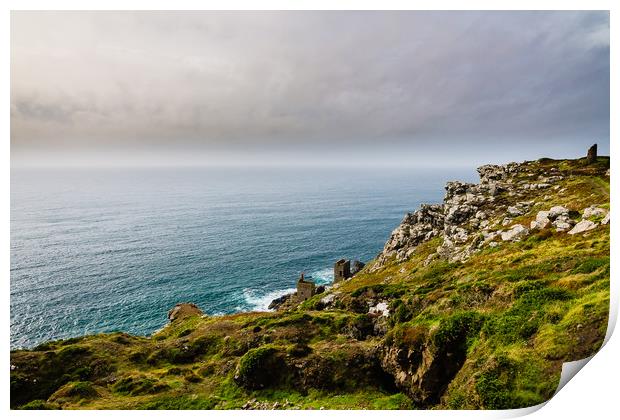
(107, 249)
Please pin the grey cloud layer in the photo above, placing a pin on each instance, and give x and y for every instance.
(305, 79)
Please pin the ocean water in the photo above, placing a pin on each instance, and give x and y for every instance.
(100, 250)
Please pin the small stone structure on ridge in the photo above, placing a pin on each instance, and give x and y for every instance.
(592, 154)
(305, 289)
(343, 269)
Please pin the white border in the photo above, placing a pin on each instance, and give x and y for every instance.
(592, 394)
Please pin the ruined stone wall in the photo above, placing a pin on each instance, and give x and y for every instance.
(342, 270)
(305, 290)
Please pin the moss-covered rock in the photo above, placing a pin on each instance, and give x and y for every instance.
(260, 368)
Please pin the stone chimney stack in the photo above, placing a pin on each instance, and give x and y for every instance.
(592, 154)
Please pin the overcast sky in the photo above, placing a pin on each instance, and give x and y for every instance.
(413, 88)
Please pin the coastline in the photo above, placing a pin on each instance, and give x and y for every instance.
(517, 264)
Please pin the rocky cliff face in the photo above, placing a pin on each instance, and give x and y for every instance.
(474, 216)
(416, 228)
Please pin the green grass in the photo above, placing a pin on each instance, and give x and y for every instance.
(179, 402)
(513, 313)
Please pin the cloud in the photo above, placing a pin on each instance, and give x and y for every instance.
(307, 80)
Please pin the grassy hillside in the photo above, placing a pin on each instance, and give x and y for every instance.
(483, 332)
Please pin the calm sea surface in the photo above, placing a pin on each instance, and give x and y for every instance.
(107, 249)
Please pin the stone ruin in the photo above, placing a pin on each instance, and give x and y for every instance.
(305, 289)
(592, 154)
(343, 269)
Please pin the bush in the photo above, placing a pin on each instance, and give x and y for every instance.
(401, 312)
(137, 356)
(393, 402)
(456, 329)
(527, 286)
(186, 352)
(497, 384)
(494, 386)
(439, 269)
(53, 370)
(536, 298)
(207, 370)
(409, 336)
(590, 265)
(43, 347)
(359, 327)
(362, 290)
(381, 290)
(80, 390)
(70, 353)
(138, 385)
(175, 371)
(524, 318)
(260, 368)
(36, 405)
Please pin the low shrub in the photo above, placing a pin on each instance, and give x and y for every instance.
(401, 312)
(179, 402)
(79, 390)
(590, 265)
(260, 368)
(359, 327)
(456, 329)
(138, 385)
(185, 352)
(37, 405)
(523, 319)
(498, 385)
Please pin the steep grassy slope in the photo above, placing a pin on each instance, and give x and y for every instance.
(488, 331)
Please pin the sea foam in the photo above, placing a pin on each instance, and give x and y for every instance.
(258, 301)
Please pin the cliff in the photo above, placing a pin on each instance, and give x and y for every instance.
(473, 303)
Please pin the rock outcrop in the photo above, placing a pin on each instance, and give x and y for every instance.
(474, 216)
(515, 233)
(605, 220)
(542, 220)
(593, 211)
(465, 210)
(424, 364)
(416, 228)
(280, 301)
(269, 366)
(183, 310)
(583, 226)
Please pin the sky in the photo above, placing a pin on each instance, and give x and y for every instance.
(307, 88)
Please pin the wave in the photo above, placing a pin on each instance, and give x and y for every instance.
(324, 276)
(259, 301)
